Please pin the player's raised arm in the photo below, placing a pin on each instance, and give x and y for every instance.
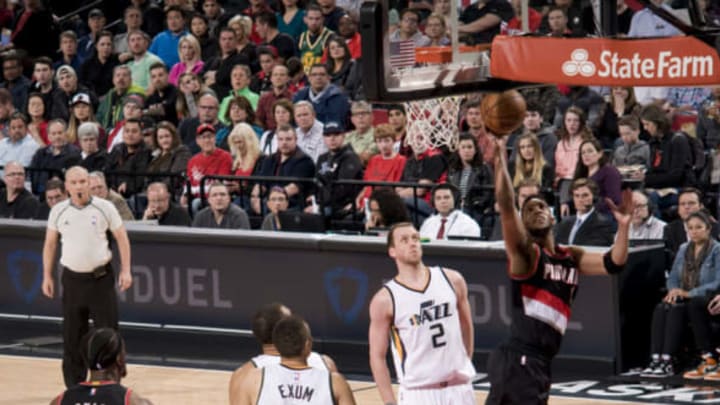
(378, 338)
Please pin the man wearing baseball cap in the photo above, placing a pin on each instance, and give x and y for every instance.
(210, 160)
(132, 108)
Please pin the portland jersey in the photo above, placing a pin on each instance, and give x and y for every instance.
(542, 300)
(427, 344)
(96, 392)
(282, 385)
(314, 360)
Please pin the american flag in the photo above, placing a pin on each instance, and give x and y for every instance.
(402, 53)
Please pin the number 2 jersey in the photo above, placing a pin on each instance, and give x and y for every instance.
(426, 338)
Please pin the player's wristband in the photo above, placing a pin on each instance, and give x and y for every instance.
(611, 267)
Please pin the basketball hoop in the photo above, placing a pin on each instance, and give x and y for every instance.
(433, 122)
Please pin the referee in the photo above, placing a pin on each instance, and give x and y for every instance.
(87, 278)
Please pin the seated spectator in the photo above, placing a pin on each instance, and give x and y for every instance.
(387, 165)
(290, 19)
(632, 151)
(162, 102)
(328, 100)
(573, 15)
(81, 111)
(708, 121)
(345, 72)
(245, 150)
(239, 111)
(472, 177)
(141, 59)
(92, 156)
(38, 124)
(449, 221)
(277, 202)
(288, 161)
(54, 193)
(260, 82)
(165, 44)
(545, 99)
(266, 28)
(245, 45)
(362, 139)
(133, 21)
(579, 97)
(436, 30)
(694, 276)
(312, 42)
(298, 78)
(221, 214)
(442, 8)
(644, 226)
(526, 189)
(207, 115)
(624, 17)
(68, 51)
(16, 201)
(96, 21)
(169, 155)
(279, 79)
(200, 29)
(347, 29)
(426, 166)
(340, 162)
(99, 188)
(408, 29)
(52, 160)
(572, 133)
(162, 209)
(43, 82)
(592, 164)
(283, 113)
(476, 128)
(67, 88)
(545, 133)
(385, 208)
(109, 111)
(18, 146)
(129, 157)
(587, 227)
(213, 12)
(530, 163)
(210, 160)
(622, 103)
(481, 21)
(675, 233)
(515, 23)
(309, 130)
(132, 108)
(217, 70)
(189, 92)
(190, 59)
(14, 81)
(240, 79)
(153, 17)
(33, 35)
(557, 23)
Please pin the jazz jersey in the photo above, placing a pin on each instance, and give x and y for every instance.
(283, 385)
(426, 338)
(314, 360)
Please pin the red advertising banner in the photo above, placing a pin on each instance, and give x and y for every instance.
(676, 61)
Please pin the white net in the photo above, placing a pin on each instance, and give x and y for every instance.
(433, 122)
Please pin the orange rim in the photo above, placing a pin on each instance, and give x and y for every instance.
(443, 54)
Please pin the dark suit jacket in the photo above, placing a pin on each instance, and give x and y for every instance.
(597, 230)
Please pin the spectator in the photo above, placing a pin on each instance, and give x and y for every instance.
(153, 17)
(583, 98)
(557, 23)
(528, 188)
(82, 112)
(686, 100)
(534, 123)
(165, 44)
(546, 99)
(221, 214)
(472, 177)
(260, 82)
(362, 139)
(624, 18)
(190, 59)
(213, 12)
(133, 21)
(425, 166)
(93, 157)
(99, 188)
(245, 150)
(161, 103)
(443, 8)
(34, 30)
(622, 103)
(397, 118)
(217, 70)
(7, 109)
(345, 72)
(515, 23)
(296, 71)
(476, 128)
(340, 162)
(110, 110)
(239, 111)
(279, 79)
(129, 157)
(708, 121)
(43, 81)
(312, 42)
(283, 113)
(169, 154)
(387, 165)
(347, 29)
(207, 114)
(97, 71)
(449, 220)
(644, 226)
(210, 160)
(38, 124)
(242, 25)
(256, 7)
(67, 88)
(385, 209)
(328, 100)
(267, 30)
(675, 233)
(573, 13)
(277, 202)
(289, 161)
(16, 201)
(190, 90)
(86, 44)
(592, 164)
(18, 146)
(14, 81)
(530, 163)
(140, 59)
(309, 130)
(160, 208)
(291, 19)
(481, 20)
(408, 29)
(573, 132)
(54, 193)
(240, 80)
(694, 276)
(68, 51)
(53, 159)
(332, 13)
(132, 108)
(632, 151)
(587, 227)
(436, 30)
(200, 29)
(646, 23)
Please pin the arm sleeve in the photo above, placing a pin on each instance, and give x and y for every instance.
(113, 216)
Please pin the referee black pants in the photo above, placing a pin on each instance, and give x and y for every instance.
(84, 296)
(517, 378)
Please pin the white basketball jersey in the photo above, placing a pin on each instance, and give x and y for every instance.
(314, 360)
(426, 339)
(282, 385)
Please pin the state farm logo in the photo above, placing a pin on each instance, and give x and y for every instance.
(579, 64)
(665, 64)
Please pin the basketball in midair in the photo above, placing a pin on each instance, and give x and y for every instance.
(503, 112)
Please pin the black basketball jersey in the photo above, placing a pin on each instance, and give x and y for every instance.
(541, 301)
(96, 393)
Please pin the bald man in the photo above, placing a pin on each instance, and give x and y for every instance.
(17, 201)
(87, 277)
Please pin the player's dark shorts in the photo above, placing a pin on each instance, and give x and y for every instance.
(517, 377)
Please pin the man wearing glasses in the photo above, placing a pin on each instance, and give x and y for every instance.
(17, 202)
(644, 226)
(408, 29)
(208, 107)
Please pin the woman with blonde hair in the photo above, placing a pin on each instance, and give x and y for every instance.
(190, 59)
(245, 149)
(436, 30)
(530, 162)
(242, 25)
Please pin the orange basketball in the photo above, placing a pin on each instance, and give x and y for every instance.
(503, 112)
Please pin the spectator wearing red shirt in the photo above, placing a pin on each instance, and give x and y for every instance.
(388, 165)
(256, 7)
(279, 79)
(515, 23)
(347, 28)
(210, 160)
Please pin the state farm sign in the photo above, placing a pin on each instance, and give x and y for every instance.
(677, 61)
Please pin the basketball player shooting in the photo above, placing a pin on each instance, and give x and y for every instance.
(544, 282)
(425, 311)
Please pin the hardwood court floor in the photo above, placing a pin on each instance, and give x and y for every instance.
(32, 380)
